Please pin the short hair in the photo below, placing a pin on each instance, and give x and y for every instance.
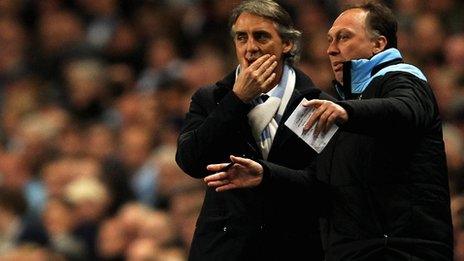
(380, 21)
(276, 13)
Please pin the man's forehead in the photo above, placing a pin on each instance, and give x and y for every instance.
(256, 29)
(254, 22)
(352, 20)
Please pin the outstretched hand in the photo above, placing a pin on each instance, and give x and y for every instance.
(243, 173)
(326, 113)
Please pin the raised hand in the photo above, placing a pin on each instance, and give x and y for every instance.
(256, 78)
(243, 173)
(325, 115)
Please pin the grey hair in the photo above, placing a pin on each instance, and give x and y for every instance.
(274, 12)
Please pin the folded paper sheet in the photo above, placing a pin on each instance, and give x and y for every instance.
(298, 119)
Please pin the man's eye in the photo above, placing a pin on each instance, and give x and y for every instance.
(241, 38)
(261, 37)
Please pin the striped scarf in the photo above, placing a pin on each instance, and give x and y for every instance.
(265, 117)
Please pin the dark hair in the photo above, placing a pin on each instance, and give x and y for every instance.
(274, 12)
(380, 21)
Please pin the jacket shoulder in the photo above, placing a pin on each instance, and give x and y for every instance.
(218, 89)
(397, 79)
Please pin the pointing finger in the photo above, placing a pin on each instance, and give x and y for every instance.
(313, 103)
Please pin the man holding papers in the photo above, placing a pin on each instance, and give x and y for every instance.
(383, 174)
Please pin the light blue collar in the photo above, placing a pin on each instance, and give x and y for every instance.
(361, 69)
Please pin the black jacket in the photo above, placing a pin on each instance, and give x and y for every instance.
(262, 223)
(385, 176)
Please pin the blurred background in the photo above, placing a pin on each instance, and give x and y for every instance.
(93, 94)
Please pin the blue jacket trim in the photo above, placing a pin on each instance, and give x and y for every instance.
(361, 69)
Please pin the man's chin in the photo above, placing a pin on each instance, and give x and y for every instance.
(338, 77)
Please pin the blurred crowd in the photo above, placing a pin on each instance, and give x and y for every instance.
(93, 94)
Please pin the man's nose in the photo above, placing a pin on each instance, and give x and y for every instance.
(332, 49)
(251, 45)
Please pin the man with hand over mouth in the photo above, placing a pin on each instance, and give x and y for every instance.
(244, 115)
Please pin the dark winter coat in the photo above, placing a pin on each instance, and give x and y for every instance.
(384, 173)
(262, 223)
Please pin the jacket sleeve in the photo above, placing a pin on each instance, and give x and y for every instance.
(275, 177)
(404, 103)
(206, 133)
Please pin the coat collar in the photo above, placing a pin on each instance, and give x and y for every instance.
(357, 73)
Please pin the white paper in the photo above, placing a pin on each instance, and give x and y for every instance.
(298, 119)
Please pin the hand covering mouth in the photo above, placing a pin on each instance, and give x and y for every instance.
(250, 59)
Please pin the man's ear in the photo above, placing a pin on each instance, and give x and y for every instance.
(379, 44)
(288, 46)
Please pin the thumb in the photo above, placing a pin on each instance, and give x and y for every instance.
(242, 161)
